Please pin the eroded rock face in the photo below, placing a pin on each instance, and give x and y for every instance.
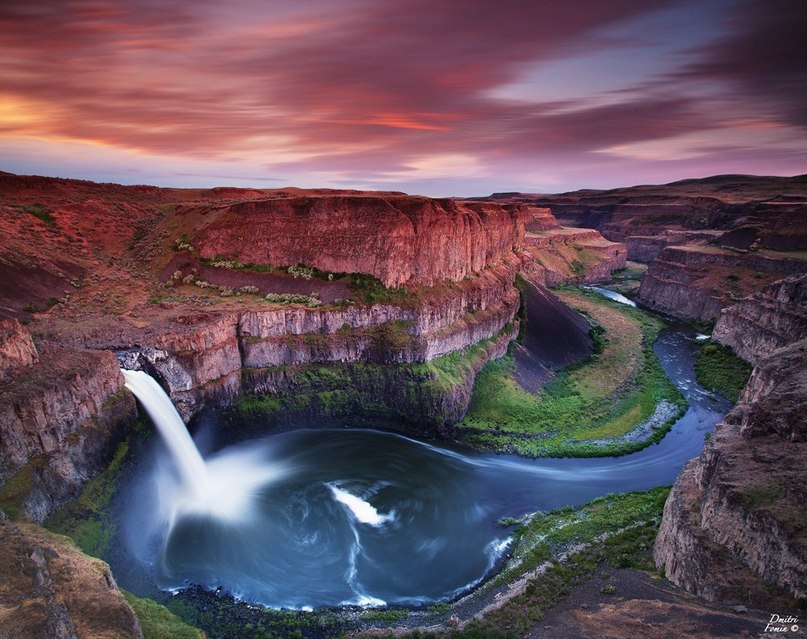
(16, 346)
(50, 590)
(766, 321)
(736, 512)
(62, 419)
(403, 239)
(570, 256)
(698, 282)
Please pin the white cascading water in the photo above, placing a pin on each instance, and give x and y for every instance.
(222, 486)
(158, 405)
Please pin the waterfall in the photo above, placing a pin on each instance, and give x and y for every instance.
(222, 486)
(183, 451)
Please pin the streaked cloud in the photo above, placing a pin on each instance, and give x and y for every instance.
(418, 96)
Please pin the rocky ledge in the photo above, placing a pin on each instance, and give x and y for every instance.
(768, 320)
(735, 517)
(697, 282)
(51, 590)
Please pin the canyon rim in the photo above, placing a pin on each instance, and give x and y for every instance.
(279, 309)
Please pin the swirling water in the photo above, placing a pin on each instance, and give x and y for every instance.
(353, 516)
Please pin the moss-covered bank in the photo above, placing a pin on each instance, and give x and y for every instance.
(589, 408)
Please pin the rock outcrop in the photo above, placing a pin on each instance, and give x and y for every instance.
(403, 239)
(768, 320)
(570, 256)
(16, 346)
(735, 517)
(62, 419)
(50, 590)
(698, 282)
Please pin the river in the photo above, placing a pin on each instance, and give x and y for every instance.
(331, 517)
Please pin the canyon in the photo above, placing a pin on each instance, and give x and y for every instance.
(340, 303)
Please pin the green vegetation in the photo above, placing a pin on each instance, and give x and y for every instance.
(42, 213)
(603, 398)
(158, 622)
(261, 404)
(369, 290)
(30, 308)
(221, 616)
(16, 489)
(719, 370)
(424, 392)
(293, 298)
(86, 519)
(615, 530)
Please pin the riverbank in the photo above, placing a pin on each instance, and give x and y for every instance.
(617, 401)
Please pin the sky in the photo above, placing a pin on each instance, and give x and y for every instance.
(436, 97)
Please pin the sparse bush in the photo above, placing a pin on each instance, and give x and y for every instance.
(252, 290)
(298, 270)
(183, 243)
(292, 298)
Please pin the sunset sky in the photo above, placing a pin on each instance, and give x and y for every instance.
(438, 97)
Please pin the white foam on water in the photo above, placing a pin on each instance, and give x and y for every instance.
(223, 486)
(362, 511)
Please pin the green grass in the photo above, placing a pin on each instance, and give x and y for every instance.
(42, 213)
(546, 535)
(158, 622)
(719, 370)
(631, 521)
(603, 398)
(370, 290)
(14, 492)
(86, 519)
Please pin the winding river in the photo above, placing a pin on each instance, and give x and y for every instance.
(317, 518)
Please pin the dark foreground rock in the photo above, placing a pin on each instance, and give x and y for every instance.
(51, 590)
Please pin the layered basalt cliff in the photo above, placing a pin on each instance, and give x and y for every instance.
(734, 518)
(199, 357)
(403, 239)
(565, 255)
(698, 282)
(62, 418)
(765, 321)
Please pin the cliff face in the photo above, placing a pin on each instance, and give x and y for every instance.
(765, 321)
(564, 255)
(62, 419)
(737, 511)
(50, 590)
(698, 282)
(404, 239)
(16, 346)
(199, 358)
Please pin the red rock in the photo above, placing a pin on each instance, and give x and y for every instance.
(398, 239)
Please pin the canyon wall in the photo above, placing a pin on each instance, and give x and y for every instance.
(199, 357)
(62, 419)
(404, 239)
(765, 321)
(698, 282)
(736, 512)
